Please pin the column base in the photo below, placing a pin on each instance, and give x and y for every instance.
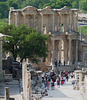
(55, 69)
(76, 62)
(70, 63)
(53, 66)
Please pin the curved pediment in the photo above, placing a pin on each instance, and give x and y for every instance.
(29, 8)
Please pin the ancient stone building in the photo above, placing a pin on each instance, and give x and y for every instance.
(62, 27)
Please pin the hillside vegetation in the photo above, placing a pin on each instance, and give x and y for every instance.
(19, 4)
(84, 30)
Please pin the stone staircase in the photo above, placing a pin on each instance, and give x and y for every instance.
(73, 67)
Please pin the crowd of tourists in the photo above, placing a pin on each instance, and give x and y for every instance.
(53, 79)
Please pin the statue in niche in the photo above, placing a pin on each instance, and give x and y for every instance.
(61, 28)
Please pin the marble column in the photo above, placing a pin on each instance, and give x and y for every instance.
(70, 51)
(10, 18)
(70, 26)
(60, 22)
(29, 79)
(80, 76)
(76, 21)
(24, 18)
(53, 45)
(16, 19)
(1, 75)
(72, 21)
(41, 22)
(53, 21)
(65, 51)
(24, 78)
(49, 55)
(57, 50)
(76, 51)
(60, 50)
(29, 86)
(34, 20)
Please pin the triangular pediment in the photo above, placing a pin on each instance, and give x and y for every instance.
(65, 8)
(47, 8)
(29, 8)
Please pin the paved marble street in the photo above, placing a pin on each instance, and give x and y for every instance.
(13, 90)
(65, 92)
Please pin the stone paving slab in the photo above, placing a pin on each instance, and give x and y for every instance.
(65, 92)
(13, 90)
(57, 99)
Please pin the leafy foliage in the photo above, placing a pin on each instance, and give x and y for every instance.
(84, 30)
(83, 5)
(25, 42)
(3, 10)
(18, 4)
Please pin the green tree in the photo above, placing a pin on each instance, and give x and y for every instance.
(3, 10)
(25, 42)
(19, 2)
(62, 3)
(11, 43)
(32, 44)
(75, 4)
(83, 5)
(84, 30)
(12, 3)
(3, 0)
(59, 4)
(35, 46)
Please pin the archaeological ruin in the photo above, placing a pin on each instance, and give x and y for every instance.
(81, 82)
(65, 43)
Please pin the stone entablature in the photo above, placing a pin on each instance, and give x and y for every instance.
(46, 20)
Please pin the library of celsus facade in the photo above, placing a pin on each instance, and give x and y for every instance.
(61, 25)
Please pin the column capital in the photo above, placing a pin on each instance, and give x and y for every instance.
(60, 13)
(23, 13)
(41, 14)
(16, 13)
(70, 39)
